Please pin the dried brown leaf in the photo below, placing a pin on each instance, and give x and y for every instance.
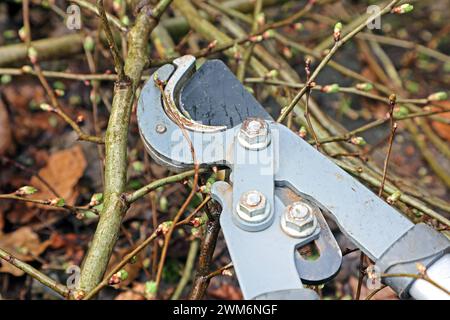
(5, 130)
(136, 293)
(442, 129)
(63, 170)
(24, 244)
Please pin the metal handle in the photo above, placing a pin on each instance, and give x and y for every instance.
(438, 272)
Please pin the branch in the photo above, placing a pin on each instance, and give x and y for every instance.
(187, 271)
(118, 62)
(393, 128)
(374, 292)
(51, 48)
(35, 274)
(54, 203)
(62, 75)
(351, 90)
(220, 271)
(135, 195)
(240, 74)
(208, 245)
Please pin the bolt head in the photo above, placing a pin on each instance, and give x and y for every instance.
(254, 134)
(299, 219)
(252, 203)
(300, 211)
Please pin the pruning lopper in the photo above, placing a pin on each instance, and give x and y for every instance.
(280, 189)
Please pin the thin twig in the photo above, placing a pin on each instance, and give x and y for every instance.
(95, 92)
(35, 274)
(220, 271)
(118, 61)
(187, 271)
(352, 90)
(208, 245)
(63, 75)
(374, 292)
(393, 128)
(59, 111)
(50, 203)
(193, 213)
(420, 276)
(361, 275)
(308, 94)
(240, 73)
(135, 195)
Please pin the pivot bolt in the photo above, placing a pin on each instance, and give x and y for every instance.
(252, 206)
(254, 134)
(160, 128)
(299, 219)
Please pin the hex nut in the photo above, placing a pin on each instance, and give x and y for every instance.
(254, 134)
(252, 206)
(299, 219)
